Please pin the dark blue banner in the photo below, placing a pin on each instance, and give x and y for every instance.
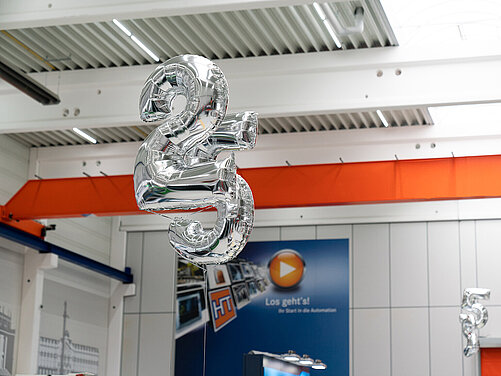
(277, 296)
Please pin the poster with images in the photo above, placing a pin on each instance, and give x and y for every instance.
(11, 273)
(7, 340)
(74, 322)
(281, 295)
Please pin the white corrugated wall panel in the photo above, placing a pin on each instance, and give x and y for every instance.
(14, 159)
(89, 236)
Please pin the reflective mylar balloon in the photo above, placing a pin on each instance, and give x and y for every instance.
(176, 166)
(473, 316)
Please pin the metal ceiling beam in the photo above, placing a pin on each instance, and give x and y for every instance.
(292, 85)
(33, 13)
(466, 136)
(27, 85)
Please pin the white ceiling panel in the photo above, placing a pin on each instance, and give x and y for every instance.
(223, 35)
(285, 124)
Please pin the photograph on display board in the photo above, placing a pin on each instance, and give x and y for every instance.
(189, 274)
(246, 268)
(236, 273)
(217, 276)
(241, 294)
(79, 357)
(191, 305)
(11, 280)
(280, 293)
(7, 339)
(261, 285)
(73, 322)
(251, 286)
(190, 310)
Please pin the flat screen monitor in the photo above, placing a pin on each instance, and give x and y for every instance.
(189, 310)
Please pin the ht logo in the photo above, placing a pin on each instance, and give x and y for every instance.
(221, 306)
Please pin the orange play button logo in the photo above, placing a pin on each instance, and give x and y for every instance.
(286, 268)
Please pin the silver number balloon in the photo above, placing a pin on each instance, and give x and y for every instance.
(473, 316)
(176, 166)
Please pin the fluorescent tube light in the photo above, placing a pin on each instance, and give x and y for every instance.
(145, 49)
(332, 33)
(320, 11)
(84, 135)
(383, 119)
(122, 27)
(135, 40)
(327, 24)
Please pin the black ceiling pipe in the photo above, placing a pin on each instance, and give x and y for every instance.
(27, 85)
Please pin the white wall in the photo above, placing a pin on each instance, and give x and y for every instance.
(148, 328)
(406, 284)
(14, 159)
(88, 236)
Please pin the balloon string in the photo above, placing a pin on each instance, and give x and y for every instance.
(205, 324)
(200, 266)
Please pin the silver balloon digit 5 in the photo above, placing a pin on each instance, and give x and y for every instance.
(177, 168)
(473, 316)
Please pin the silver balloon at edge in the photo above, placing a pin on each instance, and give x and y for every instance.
(473, 316)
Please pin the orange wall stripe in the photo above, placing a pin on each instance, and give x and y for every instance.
(278, 187)
(490, 361)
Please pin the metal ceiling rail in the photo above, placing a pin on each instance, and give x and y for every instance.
(42, 246)
(406, 117)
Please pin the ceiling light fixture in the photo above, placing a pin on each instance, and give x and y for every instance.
(27, 85)
(306, 360)
(333, 35)
(291, 356)
(136, 40)
(145, 49)
(327, 24)
(320, 11)
(122, 27)
(382, 118)
(318, 365)
(84, 135)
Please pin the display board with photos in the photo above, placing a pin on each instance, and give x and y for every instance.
(230, 285)
(272, 298)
